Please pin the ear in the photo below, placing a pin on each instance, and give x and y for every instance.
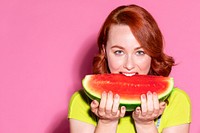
(104, 50)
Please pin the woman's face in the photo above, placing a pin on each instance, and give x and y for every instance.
(124, 53)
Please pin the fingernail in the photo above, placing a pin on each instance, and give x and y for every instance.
(149, 93)
(123, 107)
(103, 93)
(110, 93)
(155, 94)
(163, 104)
(143, 96)
(94, 102)
(137, 110)
(116, 96)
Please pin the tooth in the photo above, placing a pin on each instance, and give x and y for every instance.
(127, 74)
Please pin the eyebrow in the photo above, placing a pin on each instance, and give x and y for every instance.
(120, 47)
(117, 46)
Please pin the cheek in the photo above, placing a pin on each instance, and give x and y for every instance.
(145, 64)
(114, 64)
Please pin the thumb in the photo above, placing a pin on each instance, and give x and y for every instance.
(94, 106)
(162, 107)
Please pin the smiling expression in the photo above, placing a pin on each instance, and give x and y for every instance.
(124, 53)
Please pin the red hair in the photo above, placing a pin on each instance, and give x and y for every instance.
(145, 30)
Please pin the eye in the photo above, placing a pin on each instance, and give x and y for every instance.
(140, 52)
(118, 52)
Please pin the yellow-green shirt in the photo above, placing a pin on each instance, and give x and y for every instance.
(178, 111)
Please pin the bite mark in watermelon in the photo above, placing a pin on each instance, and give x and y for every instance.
(129, 88)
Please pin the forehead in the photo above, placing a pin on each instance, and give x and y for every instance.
(121, 35)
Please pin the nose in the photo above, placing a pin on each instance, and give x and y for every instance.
(129, 63)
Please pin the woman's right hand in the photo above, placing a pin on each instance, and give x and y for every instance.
(108, 109)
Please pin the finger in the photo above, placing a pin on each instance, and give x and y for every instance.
(162, 107)
(115, 104)
(102, 105)
(144, 104)
(122, 111)
(109, 102)
(137, 111)
(94, 106)
(150, 103)
(156, 103)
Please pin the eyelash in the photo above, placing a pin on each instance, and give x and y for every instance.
(140, 52)
(118, 52)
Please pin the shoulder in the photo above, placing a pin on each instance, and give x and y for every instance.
(76, 95)
(79, 97)
(178, 109)
(179, 103)
(78, 104)
(179, 91)
(79, 108)
(179, 95)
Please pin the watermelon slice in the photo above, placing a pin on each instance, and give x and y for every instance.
(129, 88)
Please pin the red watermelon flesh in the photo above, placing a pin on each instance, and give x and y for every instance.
(129, 88)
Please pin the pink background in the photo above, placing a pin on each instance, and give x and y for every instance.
(46, 47)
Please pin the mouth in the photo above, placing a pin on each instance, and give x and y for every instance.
(129, 74)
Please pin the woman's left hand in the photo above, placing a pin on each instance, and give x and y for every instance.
(150, 109)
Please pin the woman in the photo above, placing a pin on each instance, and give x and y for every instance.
(130, 43)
